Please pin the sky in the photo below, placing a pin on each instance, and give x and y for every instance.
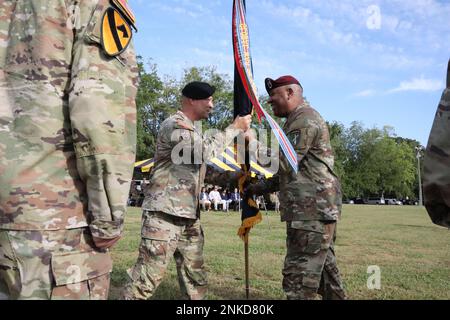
(379, 62)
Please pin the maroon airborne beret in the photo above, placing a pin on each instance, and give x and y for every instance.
(281, 81)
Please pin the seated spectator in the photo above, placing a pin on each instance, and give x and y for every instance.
(225, 200)
(276, 201)
(256, 199)
(204, 200)
(235, 199)
(261, 202)
(215, 198)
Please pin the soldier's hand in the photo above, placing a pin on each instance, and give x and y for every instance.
(242, 123)
(250, 135)
(105, 243)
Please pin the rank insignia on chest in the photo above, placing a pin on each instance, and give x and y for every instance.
(116, 32)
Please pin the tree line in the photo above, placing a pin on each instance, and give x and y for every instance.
(368, 161)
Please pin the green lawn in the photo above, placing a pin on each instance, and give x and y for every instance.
(412, 253)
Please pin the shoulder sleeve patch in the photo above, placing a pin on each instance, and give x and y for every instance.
(116, 32)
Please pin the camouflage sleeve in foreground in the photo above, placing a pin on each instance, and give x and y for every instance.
(66, 110)
(103, 119)
(436, 176)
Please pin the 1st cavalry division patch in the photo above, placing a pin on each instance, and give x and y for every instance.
(116, 32)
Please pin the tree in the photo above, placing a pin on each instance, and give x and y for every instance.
(341, 155)
(148, 109)
(373, 162)
(394, 166)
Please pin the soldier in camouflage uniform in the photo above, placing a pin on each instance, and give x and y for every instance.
(436, 178)
(67, 147)
(171, 208)
(310, 201)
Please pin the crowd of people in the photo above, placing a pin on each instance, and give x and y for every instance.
(217, 198)
(212, 198)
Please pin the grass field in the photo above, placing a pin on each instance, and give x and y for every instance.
(412, 254)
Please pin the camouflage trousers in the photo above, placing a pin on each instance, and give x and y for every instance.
(164, 236)
(310, 264)
(58, 264)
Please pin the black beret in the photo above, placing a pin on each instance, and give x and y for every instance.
(198, 90)
(281, 81)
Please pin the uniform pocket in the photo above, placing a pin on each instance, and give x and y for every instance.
(306, 236)
(301, 198)
(154, 227)
(81, 275)
(99, 287)
(10, 282)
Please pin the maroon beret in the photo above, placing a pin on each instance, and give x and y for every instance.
(281, 81)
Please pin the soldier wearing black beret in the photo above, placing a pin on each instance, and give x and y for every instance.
(171, 217)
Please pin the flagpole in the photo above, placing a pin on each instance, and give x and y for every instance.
(243, 95)
(247, 281)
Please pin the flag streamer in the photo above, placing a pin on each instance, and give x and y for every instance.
(250, 213)
(245, 102)
(243, 63)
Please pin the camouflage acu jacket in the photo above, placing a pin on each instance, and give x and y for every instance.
(313, 193)
(67, 119)
(436, 176)
(180, 166)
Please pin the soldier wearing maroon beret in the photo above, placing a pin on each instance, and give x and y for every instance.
(310, 200)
